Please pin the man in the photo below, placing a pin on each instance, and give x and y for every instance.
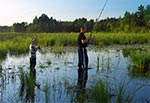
(82, 58)
(32, 50)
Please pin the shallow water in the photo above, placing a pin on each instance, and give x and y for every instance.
(59, 72)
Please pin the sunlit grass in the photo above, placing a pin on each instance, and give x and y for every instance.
(120, 38)
(18, 43)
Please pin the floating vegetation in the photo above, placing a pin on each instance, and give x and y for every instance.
(42, 66)
(127, 51)
(49, 62)
(57, 68)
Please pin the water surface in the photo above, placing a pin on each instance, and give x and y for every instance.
(58, 71)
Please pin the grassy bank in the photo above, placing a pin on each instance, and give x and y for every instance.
(19, 42)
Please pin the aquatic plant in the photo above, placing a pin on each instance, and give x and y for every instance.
(47, 92)
(27, 85)
(140, 62)
(8, 40)
(101, 92)
(98, 65)
(122, 95)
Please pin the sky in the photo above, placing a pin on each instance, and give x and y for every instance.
(13, 11)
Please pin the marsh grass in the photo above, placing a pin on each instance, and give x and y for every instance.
(27, 85)
(122, 93)
(98, 63)
(19, 42)
(141, 63)
(120, 38)
(103, 92)
(100, 93)
(47, 92)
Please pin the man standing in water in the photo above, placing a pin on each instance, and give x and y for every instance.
(82, 58)
(32, 51)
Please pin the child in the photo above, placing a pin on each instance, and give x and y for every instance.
(32, 51)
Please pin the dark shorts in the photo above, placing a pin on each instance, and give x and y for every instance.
(32, 62)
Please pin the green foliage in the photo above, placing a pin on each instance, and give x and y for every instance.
(141, 63)
(19, 27)
(18, 43)
(5, 29)
(100, 93)
(138, 21)
(120, 38)
(122, 93)
(27, 85)
(47, 92)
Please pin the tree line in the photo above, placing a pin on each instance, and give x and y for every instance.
(138, 21)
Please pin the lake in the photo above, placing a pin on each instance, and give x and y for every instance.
(56, 75)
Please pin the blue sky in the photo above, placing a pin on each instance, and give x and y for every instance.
(12, 11)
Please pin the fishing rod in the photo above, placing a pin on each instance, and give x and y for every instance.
(99, 16)
(101, 11)
(84, 71)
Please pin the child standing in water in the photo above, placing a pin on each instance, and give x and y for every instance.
(32, 51)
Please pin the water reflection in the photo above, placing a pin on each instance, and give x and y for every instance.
(81, 95)
(104, 65)
(1, 84)
(82, 77)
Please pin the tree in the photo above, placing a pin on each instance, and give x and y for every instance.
(138, 21)
(19, 27)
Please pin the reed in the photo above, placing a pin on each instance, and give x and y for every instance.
(122, 94)
(98, 63)
(100, 92)
(19, 42)
(27, 86)
(47, 92)
(120, 38)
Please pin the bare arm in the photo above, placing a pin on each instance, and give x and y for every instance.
(87, 40)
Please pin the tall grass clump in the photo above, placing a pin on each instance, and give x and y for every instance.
(47, 92)
(120, 92)
(27, 85)
(141, 63)
(122, 95)
(100, 93)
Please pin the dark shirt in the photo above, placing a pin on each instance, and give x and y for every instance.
(32, 50)
(80, 38)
